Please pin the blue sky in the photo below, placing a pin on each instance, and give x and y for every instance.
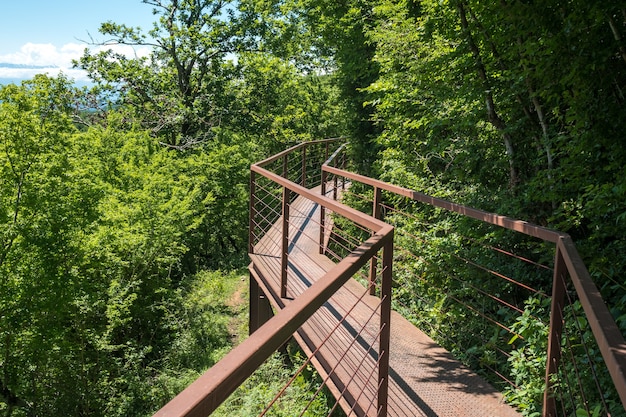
(48, 33)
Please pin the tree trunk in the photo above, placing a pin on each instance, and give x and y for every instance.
(617, 35)
(541, 120)
(492, 115)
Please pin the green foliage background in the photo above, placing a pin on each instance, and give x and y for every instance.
(110, 221)
(118, 204)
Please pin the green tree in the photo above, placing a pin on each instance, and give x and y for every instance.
(176, 91)
(338, 31)
(276, 105)
(98, 236)
(47, 206)
(514, 107)
(433, 122)
(513, 94)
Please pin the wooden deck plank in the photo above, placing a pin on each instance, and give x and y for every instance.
(425, 380)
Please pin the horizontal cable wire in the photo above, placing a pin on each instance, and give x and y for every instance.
(340, 361)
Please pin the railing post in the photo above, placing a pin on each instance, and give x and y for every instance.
(323, 210)
(285, 243)
(304, 166)
(385, 325)
(556, 330)
(343, 167)
(252, 208)
(253, 318)
(326, 155)
(260, 308)
(376, 212)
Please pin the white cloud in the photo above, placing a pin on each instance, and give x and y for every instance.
(44, 54)
(47, 58)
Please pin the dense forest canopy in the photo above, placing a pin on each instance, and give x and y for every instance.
(115, 201)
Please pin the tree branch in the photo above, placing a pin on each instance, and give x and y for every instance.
(618, 37)
(492, 115)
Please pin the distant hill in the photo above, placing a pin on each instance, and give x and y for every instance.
(17, 77)
(23, 66)
(18, 80)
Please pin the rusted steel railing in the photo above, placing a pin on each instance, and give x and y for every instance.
(271, 209)
(205, 394)
(543, 271)
(572, 382)
(290, 231)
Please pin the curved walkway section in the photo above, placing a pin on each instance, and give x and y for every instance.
(425, 380)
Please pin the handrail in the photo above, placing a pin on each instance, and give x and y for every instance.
(293, 148)
(213, 387)
(357, 217)
(608, 335)
(205, 394)
(484, 216)
(341, 209)
(606, 332)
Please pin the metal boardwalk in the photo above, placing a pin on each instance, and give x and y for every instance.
(425, 380)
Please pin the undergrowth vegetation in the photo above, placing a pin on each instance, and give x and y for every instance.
(305, 396)
(124, 207)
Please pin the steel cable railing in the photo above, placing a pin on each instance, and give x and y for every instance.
(340, 359)
(476, 305)
(273, 197)
(450, 270)
(294, 220)
(444, 272)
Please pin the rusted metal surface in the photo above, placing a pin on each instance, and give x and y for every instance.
(556, 329)
(251, 213)
(385, 326)
(206, 393)
(491, 218)
(425, 380)
(609, 337)
(412, 375)
(260, 308)
(376, 212)
(284, 253)
(568, 268)
(343, 210)
(305, 263)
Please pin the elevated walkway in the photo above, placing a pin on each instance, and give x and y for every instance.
(425, 380)
(374, 361)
